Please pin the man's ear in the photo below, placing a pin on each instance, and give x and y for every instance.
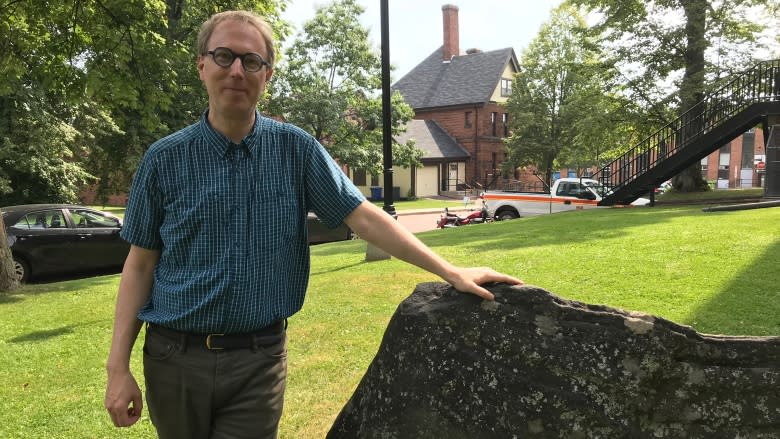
(268, 74)
(201, 63)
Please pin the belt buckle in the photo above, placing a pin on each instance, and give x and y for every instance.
(208, 342)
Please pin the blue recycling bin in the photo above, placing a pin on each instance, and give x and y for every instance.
(376, 193)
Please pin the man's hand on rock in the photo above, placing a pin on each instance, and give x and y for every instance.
(468, 280)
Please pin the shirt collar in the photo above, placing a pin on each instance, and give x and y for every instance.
(222, 144)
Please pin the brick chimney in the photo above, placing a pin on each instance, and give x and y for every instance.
(451, 37)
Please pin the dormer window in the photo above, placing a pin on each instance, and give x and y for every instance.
(506, 87)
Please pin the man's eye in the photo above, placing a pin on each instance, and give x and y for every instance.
(223, 58)
(252, 63)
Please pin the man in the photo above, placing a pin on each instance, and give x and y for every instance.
(212, 275)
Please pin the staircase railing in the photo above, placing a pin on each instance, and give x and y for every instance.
(760, 83)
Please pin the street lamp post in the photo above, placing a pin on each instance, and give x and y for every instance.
(374, 253)
(387, 132)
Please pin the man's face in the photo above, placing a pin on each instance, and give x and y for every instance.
(234, 92)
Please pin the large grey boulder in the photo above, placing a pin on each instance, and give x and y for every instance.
(532, 365)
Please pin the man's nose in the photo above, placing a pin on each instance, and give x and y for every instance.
(237, 68)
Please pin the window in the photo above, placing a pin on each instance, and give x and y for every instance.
(748, 149)
(467, 123)
(569, 189)
(374, 180)
(704, 164)
(359, 177)
(47, 219)
(723, 162)
(85, 218)
(505, 122)
(493, 120)
(506, 87)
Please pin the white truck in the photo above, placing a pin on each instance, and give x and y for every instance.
(565, 194)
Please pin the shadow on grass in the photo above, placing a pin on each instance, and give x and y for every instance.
(46, 334)
(537, 231)
(75, 276)
(42, 335)
(748, 305)
(565, 227)
(337, 248)
(340, 268)
(60, 285)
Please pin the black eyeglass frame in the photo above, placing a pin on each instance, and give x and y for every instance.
(241, 56)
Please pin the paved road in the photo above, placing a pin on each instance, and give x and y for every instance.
(424, 220)
(419, 222)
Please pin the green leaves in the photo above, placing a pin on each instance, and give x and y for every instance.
(672, 52)
(86, 87)
(558, 109)
(328, 85)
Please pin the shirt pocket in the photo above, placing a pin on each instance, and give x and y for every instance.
(203, 212)
(276, 218)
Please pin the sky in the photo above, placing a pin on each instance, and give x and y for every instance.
(416, 25)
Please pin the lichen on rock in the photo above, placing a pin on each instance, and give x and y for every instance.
(533, 365)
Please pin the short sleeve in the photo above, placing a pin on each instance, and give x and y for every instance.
(332, 196)
(144, 213)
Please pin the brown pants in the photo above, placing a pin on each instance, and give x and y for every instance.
(196, 393)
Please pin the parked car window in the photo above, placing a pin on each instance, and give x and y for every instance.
(563, 189)
(41, 220)
(22, 223)
(85, 218)
(57, 221)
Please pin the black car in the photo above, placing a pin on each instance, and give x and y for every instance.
(320, 233)
(48, 239)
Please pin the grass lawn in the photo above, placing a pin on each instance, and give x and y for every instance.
(718, 194)
(714, 271)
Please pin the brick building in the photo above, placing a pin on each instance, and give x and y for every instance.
(463, 94)
(738, 164)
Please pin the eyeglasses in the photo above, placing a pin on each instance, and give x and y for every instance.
(224, 57)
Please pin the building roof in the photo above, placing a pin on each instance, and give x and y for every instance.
(465, 79)
(433, 141)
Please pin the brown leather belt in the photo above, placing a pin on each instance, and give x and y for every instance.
(266, 336)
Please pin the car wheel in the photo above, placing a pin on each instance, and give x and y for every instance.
(22, 269)
(507, 215)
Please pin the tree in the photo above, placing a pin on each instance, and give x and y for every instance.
(38, 159)
(86, 87)
(328, 86)
(678, 44)
(558, 112)
(141, 68)
(101, 80)
(8, 280)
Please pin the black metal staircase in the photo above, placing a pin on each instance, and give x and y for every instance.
(746, 100)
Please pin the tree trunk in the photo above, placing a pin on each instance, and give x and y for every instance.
(8, 279)
(692, 86)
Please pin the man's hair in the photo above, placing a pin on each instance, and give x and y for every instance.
(244, 16)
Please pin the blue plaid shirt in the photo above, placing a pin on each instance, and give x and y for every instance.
(230, 222)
